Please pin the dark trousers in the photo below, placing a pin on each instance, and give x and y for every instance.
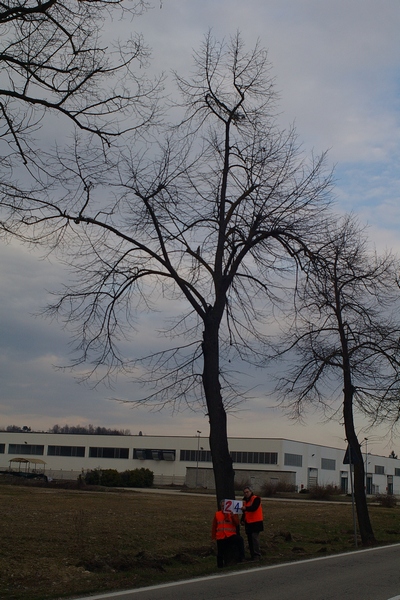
(232, 546)
(254, 543)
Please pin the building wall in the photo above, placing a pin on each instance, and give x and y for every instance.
(169, 457)
(256, 478)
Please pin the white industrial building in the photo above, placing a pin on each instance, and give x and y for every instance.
(187, 459)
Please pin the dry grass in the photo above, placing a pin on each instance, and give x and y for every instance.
(64, 543)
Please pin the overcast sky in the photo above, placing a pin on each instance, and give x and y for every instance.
(337, 68)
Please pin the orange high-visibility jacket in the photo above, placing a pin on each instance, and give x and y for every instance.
(224, 525)
(255, 515)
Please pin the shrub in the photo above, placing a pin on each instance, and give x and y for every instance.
(386, 500)
(93, 477)
(324, 492)
(240, 484)
(283, 486)
(137, 478)
(110, 478)
(269, 489)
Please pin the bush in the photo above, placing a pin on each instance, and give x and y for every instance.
(269, 489)
(140, 478)
(112, 478)
(240, 484)
(93, 477)
(386, 500)
(324, 492)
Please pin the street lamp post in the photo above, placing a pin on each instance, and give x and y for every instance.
(197, 458)
(366, 464)
(350, 463)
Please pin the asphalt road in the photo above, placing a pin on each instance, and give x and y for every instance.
(372, 574)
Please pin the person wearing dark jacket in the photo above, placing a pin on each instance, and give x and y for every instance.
(252, 518)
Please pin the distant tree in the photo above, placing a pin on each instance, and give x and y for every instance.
(17, 428)
(208, 217)
(89, 430)
(345, 333)
(13, 428)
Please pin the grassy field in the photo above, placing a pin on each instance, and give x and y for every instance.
(64, 543)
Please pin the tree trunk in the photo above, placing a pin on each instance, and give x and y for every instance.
(364, 523)
(221, 458)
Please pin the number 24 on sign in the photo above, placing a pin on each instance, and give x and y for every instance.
(233, 506)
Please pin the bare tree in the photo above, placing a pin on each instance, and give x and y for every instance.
(345, 333)
(208, 218)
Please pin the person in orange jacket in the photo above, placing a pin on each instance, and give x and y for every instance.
(225, 530)
(252, 518)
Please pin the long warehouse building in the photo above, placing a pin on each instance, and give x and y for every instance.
(178, 460)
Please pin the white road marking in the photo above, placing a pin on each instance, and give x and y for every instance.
(236, 573)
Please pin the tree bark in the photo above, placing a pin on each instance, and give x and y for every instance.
(364, 522)
(221, 458)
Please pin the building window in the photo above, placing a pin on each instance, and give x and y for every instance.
(194, 455)
(108, 452)
(379, 470)
(25, 449)
(66, 451)
(168, 455)
(2, 448)
(293, 460)
(328, 463)
(257, 458)
(153, 454)
(397, 472)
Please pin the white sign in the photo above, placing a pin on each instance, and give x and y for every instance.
(233, 506)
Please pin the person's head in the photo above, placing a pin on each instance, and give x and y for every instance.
(247, 492)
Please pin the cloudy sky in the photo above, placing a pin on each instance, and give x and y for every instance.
(337, 68)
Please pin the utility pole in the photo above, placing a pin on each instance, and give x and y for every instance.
(197, 458)
(366, 464)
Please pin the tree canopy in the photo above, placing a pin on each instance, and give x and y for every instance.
(346, 311)
(345, 334)
(208, 212)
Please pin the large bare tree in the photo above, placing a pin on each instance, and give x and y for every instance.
(208, 217)
(345, 333)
